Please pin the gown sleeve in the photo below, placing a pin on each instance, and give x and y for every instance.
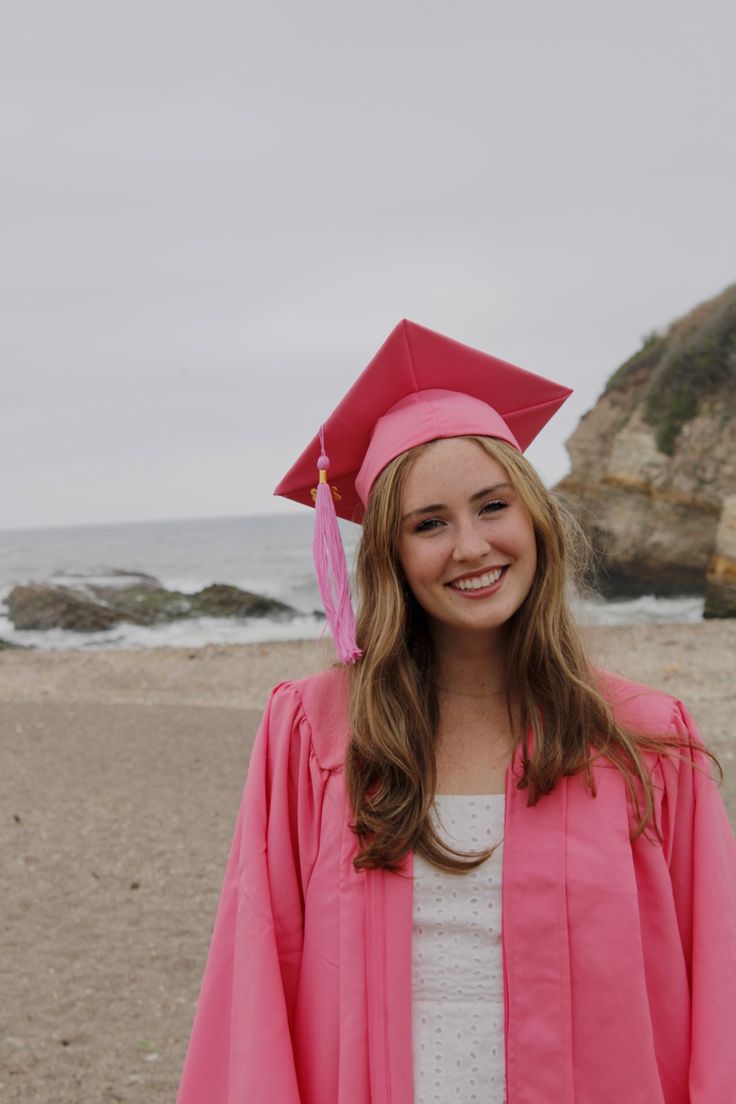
(702, 862)
(240, 1049)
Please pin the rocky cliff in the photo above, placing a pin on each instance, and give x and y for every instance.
(654, 462)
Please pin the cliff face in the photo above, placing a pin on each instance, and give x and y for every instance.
(654, 461)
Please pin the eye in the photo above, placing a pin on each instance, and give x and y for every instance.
(428, 525)
(494, 506)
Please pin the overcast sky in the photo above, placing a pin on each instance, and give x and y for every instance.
(213, 213)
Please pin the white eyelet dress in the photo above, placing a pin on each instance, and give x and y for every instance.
(457, 962)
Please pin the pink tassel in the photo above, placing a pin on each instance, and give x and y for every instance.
(332, 568)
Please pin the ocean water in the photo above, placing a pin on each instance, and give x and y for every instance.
(268, 555)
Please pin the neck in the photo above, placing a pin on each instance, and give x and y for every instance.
(470, 667)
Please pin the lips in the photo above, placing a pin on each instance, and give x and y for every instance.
(479, 581)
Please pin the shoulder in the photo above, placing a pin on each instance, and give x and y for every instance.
(318, 704)
(638, 707)
(682, 765)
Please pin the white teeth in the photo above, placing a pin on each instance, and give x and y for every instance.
(479, 581)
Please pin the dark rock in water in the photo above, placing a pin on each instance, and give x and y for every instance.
(94, 608)
(222, 600)
(9, 644)
(720, 600)
(720, 594)
(640, 580)
(142, 603)
(36, 606)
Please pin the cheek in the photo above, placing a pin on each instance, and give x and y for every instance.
(418, 563)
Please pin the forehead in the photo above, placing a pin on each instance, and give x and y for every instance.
(452, 466)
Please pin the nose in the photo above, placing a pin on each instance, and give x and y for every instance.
(471, 542)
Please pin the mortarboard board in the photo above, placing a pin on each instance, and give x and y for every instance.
(420, 386)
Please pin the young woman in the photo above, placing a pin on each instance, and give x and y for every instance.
(468, 866)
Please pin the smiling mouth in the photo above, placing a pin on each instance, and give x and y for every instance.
(478, 582)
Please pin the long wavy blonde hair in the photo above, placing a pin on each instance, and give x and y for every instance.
(394, 713)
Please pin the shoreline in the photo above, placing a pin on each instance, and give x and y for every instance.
(693, 661)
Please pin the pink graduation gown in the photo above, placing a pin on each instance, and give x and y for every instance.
(619, 957)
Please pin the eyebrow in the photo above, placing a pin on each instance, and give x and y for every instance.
(435, 507)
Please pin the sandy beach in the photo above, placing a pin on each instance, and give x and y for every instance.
(120, 777)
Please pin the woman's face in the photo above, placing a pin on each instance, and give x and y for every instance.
(466, 540)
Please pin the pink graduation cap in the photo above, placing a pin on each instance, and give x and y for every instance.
(420, 386)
